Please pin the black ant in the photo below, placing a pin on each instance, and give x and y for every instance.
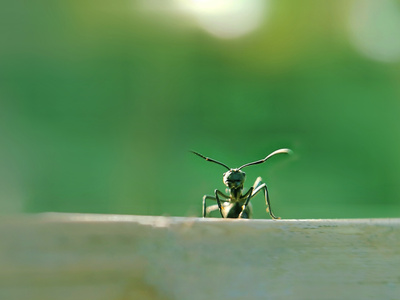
(237, 205)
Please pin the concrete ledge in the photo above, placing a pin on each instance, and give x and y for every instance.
(80, 256)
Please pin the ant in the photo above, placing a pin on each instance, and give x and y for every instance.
(236, 204)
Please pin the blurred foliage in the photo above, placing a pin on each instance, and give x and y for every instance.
(100, 102)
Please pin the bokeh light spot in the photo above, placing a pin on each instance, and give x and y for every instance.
(226, 19)
(374, 28)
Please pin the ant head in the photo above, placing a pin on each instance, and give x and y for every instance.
(234, 178)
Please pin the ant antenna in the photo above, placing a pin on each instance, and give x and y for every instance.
(210, 159)
(288, 151)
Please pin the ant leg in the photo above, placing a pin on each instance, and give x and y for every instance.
(217, 192)
(257, 182)
(211, 208)
(250, 192)
(222, 195)
(219, 203)
(263, 186)
(205, 210)
(248, 196)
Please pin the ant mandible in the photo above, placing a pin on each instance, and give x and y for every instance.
(237, 204)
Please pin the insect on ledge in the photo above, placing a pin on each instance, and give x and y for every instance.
(237, 204)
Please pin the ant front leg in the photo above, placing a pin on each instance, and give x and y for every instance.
(217, 192)
(206, 210)
(248, 196)
(260, 187)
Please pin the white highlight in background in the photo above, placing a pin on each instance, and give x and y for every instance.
(374, 28)
(226, 18)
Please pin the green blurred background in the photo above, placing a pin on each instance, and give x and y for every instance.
(100, 102)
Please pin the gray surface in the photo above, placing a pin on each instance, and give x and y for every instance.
(75, 256)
